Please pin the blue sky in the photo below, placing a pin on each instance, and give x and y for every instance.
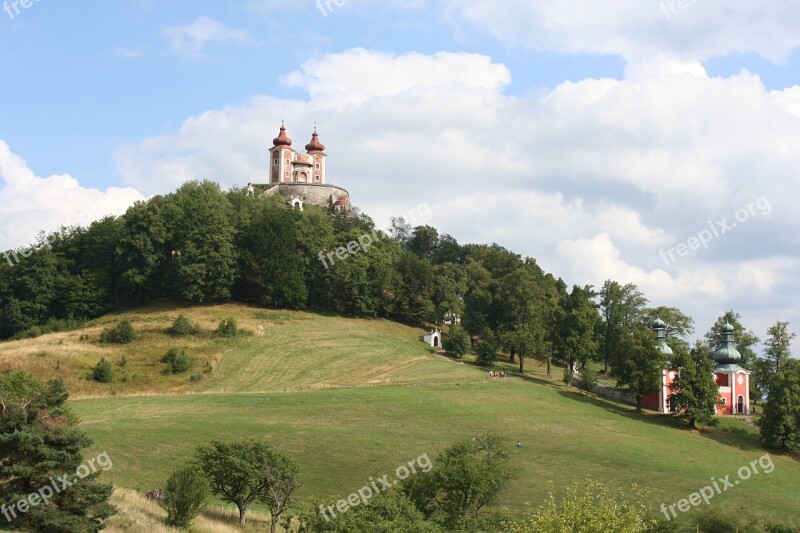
(590, 136)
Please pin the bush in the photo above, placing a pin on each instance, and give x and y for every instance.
(589, 503)
(487, 352)
(588, 382)
(177, 361)
(182, 327)
(103, 372)
(122, 333)
(567, 378)
(457, 342)
(186, 495)
(227, 328)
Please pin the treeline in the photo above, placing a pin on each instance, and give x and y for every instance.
(201, 244)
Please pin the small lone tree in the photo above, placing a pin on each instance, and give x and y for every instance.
(227, 328)
(694, 391)
(246, 471)
(186, 495)
(457, 342)
(182, 327)
(103, 372)
(588, 382)
(282, 478)
(177, 361)
(122, 333)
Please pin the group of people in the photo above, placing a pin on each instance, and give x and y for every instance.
(493, 374)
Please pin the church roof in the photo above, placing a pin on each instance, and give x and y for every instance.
(315, 145)
(727, 352)
(282, 139)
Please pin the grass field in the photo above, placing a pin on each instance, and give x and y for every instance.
(353, 398)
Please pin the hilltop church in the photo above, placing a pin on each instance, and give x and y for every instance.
(300, 177)
(733, 381)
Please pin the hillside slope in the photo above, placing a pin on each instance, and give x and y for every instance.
(282, 350)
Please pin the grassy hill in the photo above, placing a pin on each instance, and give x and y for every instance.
(280, 351)
(309, 384)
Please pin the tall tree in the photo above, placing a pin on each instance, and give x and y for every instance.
(200, 218)
(642, 365)
(522, 313)
(778, 346)
(694, 392)
(780, 423)
(578, 320)
(622, 308)
(40, 441)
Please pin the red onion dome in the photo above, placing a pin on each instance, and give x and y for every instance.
(282, 139)
(315, 145)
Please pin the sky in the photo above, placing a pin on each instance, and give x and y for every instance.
(646, 141)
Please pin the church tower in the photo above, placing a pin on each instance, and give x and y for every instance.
(281, 157)
(316, 150)
(733, 381)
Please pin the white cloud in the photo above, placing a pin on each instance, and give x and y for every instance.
(638, 29)
(31, 204)
(190, 40)
(592, 178)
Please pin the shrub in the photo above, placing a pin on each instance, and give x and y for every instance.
(589, 503)
(487, 352)
(588, 382)
(177, 361)
(227, 328)
(457, 342)
(567, 378)
(186, 495)
(122, 333)
(182, 327)
(103, 372)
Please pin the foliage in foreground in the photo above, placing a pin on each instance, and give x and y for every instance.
(243, 472)
(465, 478)
(588, 507)
(40, 441)
(186, 495)
(388, 512)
